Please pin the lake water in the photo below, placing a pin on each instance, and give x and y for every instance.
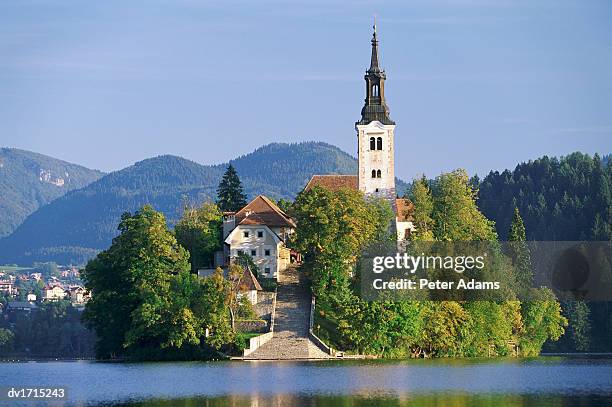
(543, 381)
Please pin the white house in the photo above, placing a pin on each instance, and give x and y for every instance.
(53, 292)
(6, 287)
(78, 294)
(260, 229)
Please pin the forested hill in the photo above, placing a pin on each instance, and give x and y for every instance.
(30, 180)
(282, 170)
(77, 225)
(559, 199)
(288, 167)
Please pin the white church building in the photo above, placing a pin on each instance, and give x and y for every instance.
(375, 151)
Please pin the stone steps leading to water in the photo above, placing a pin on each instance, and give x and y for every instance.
(291, 323)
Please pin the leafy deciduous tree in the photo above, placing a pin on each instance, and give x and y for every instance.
(199, 231)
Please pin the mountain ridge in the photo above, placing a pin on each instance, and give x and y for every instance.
(30, 180)
(75, 226)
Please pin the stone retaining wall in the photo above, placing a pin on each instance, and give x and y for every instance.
(257, 341)
(252, 325)
(314, 337)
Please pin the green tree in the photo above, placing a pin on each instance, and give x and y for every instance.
(492, 325)
(284, 204)
(216, 290)
(186, 320)
(130, 284)
(230, 194)
(383, 218)
(456, 215)
(53, 329)
(519, 253)
(235, 276)
(423, 209)
(7, 338)
(517, 228)
(579, 325)
(443, 329)
(245, 261)
(199, 231)
(388, 328)
(542, 320)
(333, 229)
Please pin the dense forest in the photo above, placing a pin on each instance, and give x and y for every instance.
(74, 227)
(567, 198)
(28, 181)
(53, 329)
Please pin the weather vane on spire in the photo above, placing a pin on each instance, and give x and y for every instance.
(374, 23)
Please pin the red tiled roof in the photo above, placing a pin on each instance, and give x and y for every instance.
(405, 209)
(249, 282)
(262, 211)
(333, 182)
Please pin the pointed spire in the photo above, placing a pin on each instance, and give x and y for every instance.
(375, 107)
(374, 61)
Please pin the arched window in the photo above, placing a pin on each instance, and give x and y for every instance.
(379, 143)
(378, 174)
(372, 143)
(373, 173)
(375, 90)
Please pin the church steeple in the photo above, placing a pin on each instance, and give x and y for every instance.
(374, 61)
(375, 107)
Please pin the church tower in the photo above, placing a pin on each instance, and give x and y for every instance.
(375, 135)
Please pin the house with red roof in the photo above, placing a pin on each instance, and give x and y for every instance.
(261, 230)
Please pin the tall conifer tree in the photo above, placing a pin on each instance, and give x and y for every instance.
(423, 209)
(519, 252)
(517, 228)
(230, 194)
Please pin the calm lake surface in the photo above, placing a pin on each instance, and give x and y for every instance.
(550, 381)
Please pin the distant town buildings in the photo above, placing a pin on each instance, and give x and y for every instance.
(6, 287)
(78, 294)
(22, 286)
(53, 292)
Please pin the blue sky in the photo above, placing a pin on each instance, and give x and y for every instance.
(471, 83)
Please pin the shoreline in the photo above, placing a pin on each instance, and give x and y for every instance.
(93, 359)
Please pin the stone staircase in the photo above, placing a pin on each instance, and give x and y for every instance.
(291, 322)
